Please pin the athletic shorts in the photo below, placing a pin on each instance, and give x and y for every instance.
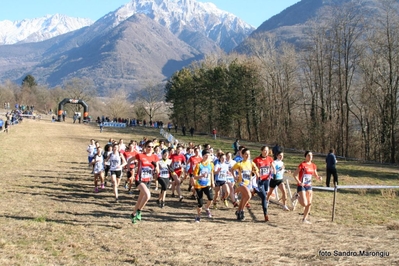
(304, 188)
(219, 183)
(128, 174)
(117, 173)
(206, 190)
(164, 182)
(275, 182)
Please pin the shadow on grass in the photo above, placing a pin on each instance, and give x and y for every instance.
(65, 221)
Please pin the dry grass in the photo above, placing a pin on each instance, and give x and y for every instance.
(50, 216)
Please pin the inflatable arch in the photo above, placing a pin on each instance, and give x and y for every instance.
(66, 100)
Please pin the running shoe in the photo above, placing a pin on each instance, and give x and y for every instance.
(226, 203)
(238, 215)
(248, 205)
(181, 198)
(306, 221)
(102, 186)
(162, 204)
(266, 218)
(285, 208)
(133, 218)
(173, 195)
(215, 205)
(96, 190)
(242, 216)
(158, 201)
(116, 200)
(235, 204)
(208, 212)
(138, 215)
(156, 188)
(197, 219)
(126, 186)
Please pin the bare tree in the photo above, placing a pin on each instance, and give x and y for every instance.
(151, 98)
(117, 105)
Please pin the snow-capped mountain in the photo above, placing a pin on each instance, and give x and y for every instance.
(39, 29)
(180, 16)
(142, 42)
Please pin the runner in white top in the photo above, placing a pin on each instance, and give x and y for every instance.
(117, 162)
(98, 163)
(222, 172)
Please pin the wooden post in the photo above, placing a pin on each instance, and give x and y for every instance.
(334, 201)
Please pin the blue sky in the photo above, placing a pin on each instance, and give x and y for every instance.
(254, 12)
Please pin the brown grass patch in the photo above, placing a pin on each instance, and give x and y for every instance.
(50, 215)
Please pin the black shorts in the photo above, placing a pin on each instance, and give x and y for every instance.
(206, 190)
(219, 183)
(128, 174)
(107, 167)
(147, 184)
(275, 183)
(164, 182)
(117, 173)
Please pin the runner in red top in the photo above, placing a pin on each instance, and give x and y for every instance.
(178, 160)
(266, 169)
(147, 165)
(130, 155)
(303, 176)
(193, 161)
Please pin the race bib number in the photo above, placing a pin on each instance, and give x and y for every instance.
(146, 173)
(222, 176)
(204, 181)
(307, 179)
(98, 167)
(176, 165)
(246, 177)
(164, 173)
(264, 171)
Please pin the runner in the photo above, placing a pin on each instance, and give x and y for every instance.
(98, 163)
(303, 176)
(117, 162)
(230, 178)
(91, 150)
(221, 174)
(147, 165)
(244, 184)
(192, 162)
(178, 160)
(164, 175)
(203, 175)
(107, 173)
(158, 152)
(277, 180)
(130, 155)
(266, 170)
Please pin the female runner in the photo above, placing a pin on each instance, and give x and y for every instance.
(303, 176)
(147, 165)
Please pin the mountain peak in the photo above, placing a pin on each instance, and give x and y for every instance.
(183, 15)
(39, 29)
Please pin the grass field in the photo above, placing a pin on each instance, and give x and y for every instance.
(49, 214)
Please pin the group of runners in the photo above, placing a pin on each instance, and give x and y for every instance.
(214, 177)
